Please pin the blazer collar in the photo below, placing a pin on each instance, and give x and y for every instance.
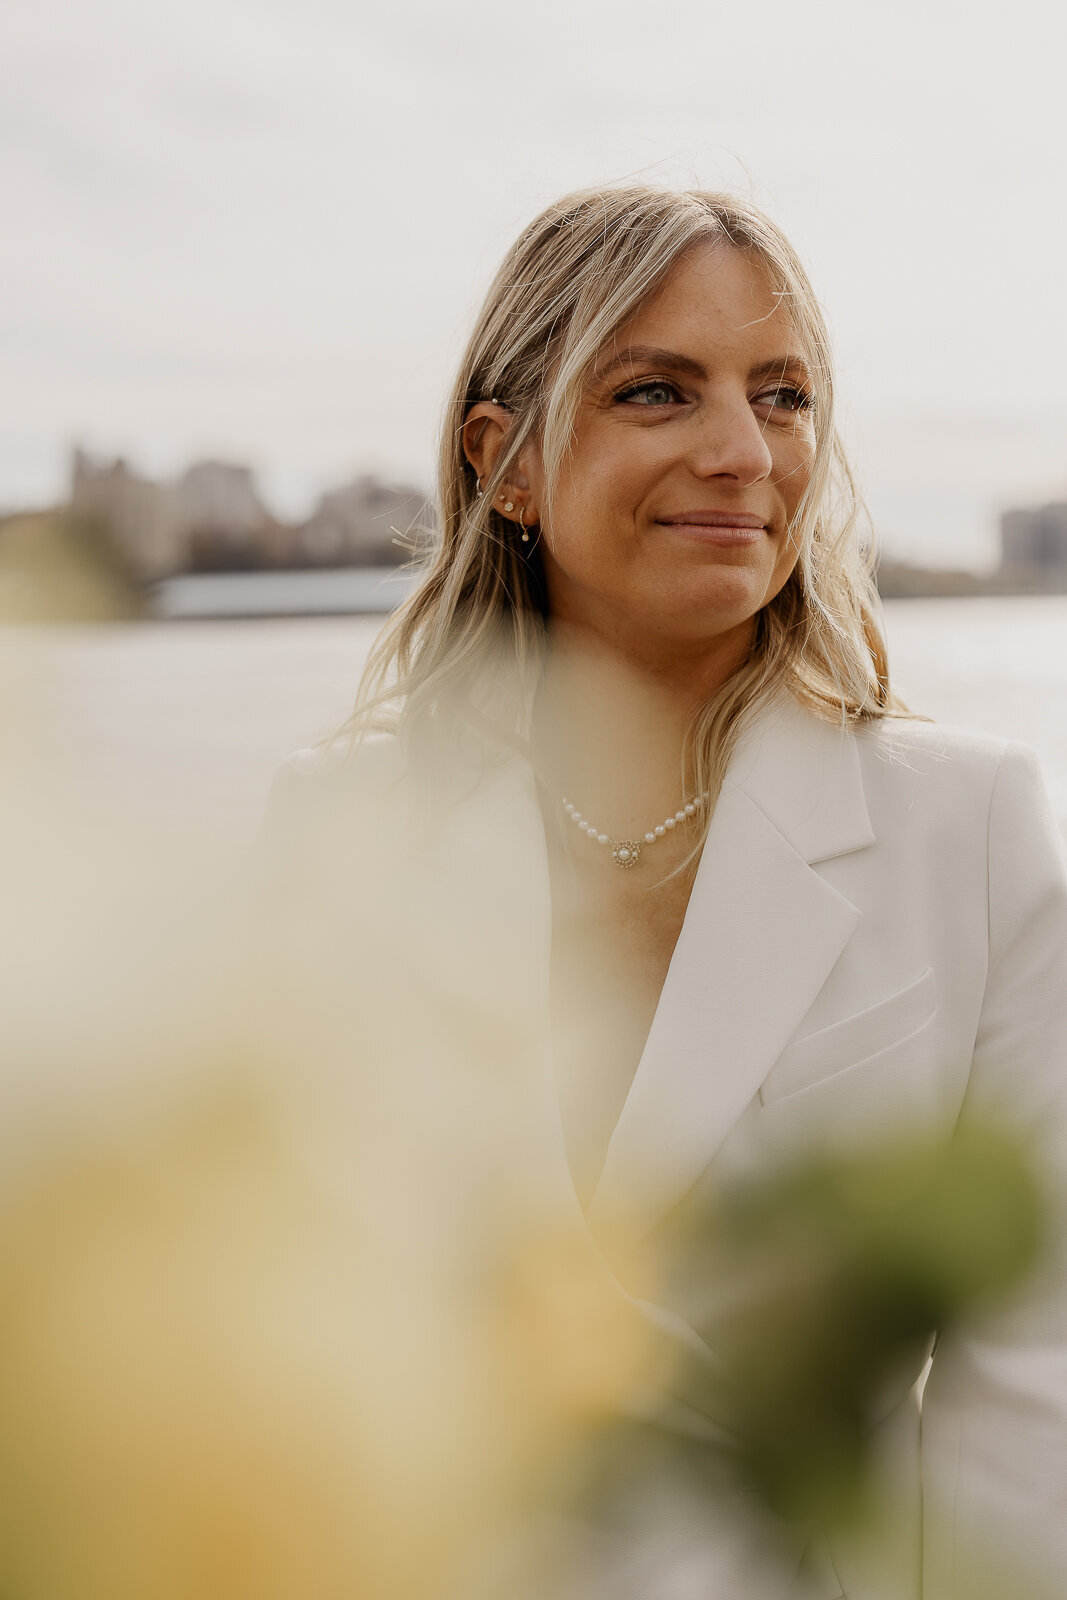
(804, 775)
(761, 933)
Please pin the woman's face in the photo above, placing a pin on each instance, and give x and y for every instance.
(694, 444)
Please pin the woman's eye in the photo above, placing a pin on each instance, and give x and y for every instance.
(786, 398)
(654, 392)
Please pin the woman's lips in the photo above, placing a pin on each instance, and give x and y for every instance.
(717, 527)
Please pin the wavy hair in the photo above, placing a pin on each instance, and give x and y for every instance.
(466, 649)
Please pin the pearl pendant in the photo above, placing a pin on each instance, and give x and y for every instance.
(626, 853)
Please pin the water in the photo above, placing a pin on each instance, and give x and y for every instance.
(322, 592)
(192, 718)
(995, 664)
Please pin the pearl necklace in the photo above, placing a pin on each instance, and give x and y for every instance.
(627, 852)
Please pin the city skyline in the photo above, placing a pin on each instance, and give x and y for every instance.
(212, 517)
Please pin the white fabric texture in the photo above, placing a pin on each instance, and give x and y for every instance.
(877, 935)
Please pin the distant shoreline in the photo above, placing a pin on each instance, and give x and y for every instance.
(303, 592)
(376, 591)
(900, 580)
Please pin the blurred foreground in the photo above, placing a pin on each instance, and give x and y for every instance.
(297, 1299)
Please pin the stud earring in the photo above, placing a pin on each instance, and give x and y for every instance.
(509, 505)
(522, 525)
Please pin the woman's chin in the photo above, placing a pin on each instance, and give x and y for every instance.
(723, 599)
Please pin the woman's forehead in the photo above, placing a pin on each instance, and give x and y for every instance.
(717, 286)
(719, 303)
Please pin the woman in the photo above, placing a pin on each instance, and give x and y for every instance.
(643, 697)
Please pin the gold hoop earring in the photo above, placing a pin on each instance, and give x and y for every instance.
(522, 525)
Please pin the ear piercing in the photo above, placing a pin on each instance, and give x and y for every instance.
(509, 505)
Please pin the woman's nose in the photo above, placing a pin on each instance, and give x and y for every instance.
(730, 442)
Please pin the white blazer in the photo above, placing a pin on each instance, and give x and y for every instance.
(877, 933)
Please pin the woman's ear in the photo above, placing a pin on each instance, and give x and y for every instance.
(484, 431)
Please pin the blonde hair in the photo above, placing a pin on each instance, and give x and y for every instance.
(469, 642)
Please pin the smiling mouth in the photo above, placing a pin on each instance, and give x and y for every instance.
(717, 527)
(714, 519)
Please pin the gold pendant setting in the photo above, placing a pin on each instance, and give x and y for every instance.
(625, 852)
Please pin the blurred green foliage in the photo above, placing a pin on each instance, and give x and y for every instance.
(843, 1271)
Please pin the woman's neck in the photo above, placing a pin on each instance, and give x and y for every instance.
(611, 734)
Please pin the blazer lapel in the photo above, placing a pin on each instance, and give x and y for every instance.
(761, 933)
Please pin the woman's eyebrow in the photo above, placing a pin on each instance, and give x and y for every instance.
(652, 355)
(657, 356)
(778, 366)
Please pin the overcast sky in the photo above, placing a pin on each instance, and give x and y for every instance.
(260, 228)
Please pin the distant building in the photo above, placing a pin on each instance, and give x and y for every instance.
(226, 524)
(366, 523)
(1033, 544)
(212, 518)
(143, 517)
